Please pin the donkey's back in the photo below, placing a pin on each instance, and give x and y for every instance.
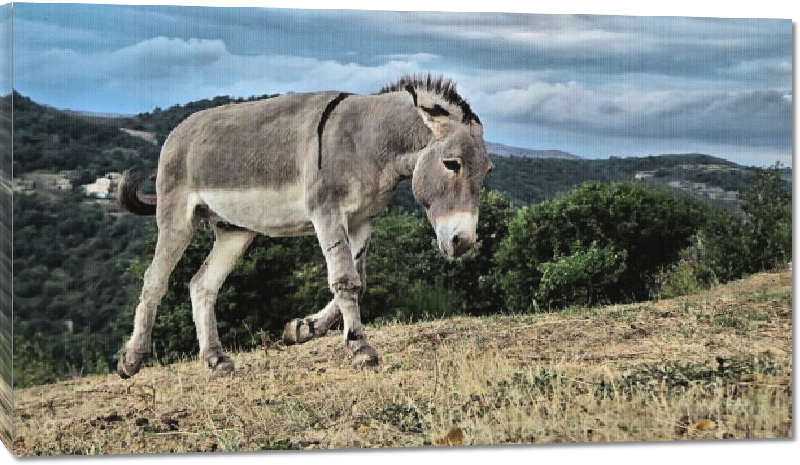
(243, 145)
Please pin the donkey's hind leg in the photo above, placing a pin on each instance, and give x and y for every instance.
(228, 248)
(173, 238)
(299, 331)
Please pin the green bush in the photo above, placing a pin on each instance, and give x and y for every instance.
(572, 278)
(599, 243)
(471, 275)
(680, 279)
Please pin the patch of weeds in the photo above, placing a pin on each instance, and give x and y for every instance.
(542, 382)
(519, 390)
(732, 368)
(688, 331)
(769, 295)
(761, 313)
(676, 375)
(93, 451)
(730, 321)
(630, 429)
(626, 314)
(686, 308)
(395, 367)
(314, 418)
(571, 310)
(42, 452)
(646, 309)
(335, 413)
(281, 444)
(405, 417)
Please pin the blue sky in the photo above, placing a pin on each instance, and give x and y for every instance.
(595, 86)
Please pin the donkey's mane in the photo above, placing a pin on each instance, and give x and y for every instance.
(439, 85)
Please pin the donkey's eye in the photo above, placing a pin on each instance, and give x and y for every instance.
(453, 164)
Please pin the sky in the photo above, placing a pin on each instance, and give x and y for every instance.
(596, 86)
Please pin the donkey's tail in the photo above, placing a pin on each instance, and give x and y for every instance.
(129, 197)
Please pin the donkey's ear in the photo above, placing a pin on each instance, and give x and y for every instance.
(437, 124)
(435, 117)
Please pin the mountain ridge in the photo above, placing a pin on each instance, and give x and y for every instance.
(503, 150)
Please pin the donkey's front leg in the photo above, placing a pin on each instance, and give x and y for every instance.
(345, 283)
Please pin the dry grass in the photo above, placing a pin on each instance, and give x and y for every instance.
(714, 365)
(5, 414)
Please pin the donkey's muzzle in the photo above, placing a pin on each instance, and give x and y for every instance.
(460, 244)
(456, 233)
(457, 245)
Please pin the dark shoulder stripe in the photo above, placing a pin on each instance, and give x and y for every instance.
(324, 119)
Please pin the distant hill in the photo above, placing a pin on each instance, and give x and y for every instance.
(46, 139)
(503, 150)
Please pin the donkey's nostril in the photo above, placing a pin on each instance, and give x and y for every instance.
(456, 241)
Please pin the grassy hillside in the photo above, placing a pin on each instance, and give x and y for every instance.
(5, 271)
(712, 365)
(5, 286)
(5, 141)
(52, 140)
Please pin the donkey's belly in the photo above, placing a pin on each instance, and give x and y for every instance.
(272, 212)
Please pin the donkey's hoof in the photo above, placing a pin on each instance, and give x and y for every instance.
(365, 357)
(297, 331)
(129, 366)
(221, 365)
(290, 332)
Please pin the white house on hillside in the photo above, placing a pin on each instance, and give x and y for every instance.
(103, 187)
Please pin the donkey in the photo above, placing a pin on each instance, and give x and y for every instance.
(314, 163)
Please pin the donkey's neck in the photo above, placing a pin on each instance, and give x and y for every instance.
(404, 165)
(410, 136)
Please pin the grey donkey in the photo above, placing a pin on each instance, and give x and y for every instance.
(300, 164)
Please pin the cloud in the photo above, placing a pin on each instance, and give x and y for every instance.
(417, 57)
(5, 49)
(35, 33)
(161, 57)
(574, 33)
(163, 71)
(756, 118)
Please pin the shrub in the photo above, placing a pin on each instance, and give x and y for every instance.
(601, 242)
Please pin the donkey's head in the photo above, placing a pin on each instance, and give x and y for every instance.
(449, 171)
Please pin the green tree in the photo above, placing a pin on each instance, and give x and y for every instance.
(768, 209)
